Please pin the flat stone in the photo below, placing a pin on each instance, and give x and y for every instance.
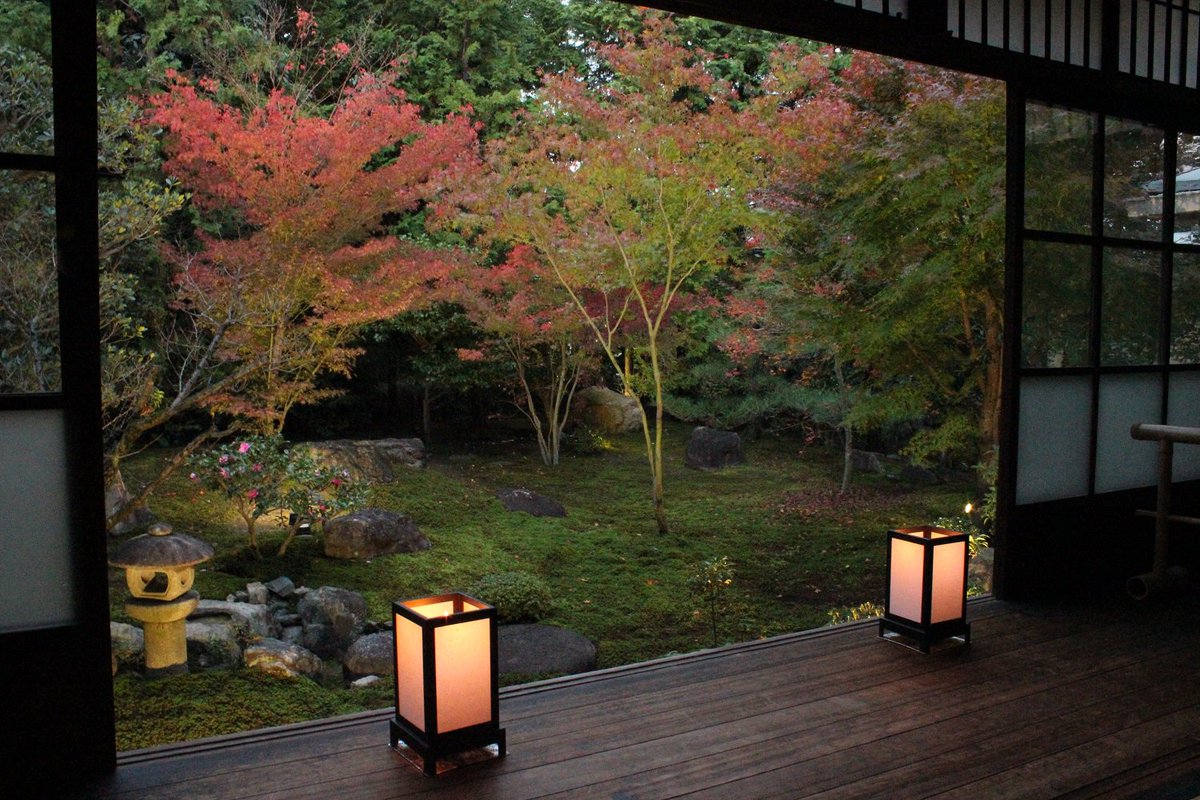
(365, 681)
(282, 659)
(535, 649)
(538, 505)
(373, 654)
(252, 620)
(282, 587)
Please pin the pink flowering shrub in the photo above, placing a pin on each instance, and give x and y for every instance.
(261, 475)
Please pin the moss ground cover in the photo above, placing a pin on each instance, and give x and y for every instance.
(797, 555)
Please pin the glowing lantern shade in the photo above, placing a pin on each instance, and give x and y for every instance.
(447, 692)
(926, 593)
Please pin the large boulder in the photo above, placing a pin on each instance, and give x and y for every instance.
(530, 502)
(213, 642)
(374, 460)
(372, 532)
(373, 654)
(251, 620)
(709, 449)
(606, 411)
(544, 649)
(282, 659)
(333, 619)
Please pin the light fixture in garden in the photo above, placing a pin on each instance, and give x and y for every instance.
(447, 671)
(159, 570)
(926, 591)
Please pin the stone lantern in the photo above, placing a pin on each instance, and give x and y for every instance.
(159, 570)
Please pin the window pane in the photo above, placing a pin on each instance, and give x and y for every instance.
(1058, 169)
(1121, 461)
(26, 106)
(1055, 424)
(1187, 191)
(1185, 310)
(36, 576)
(1129, 316)
(1133, 187)
(1055, 304)
(29, 350)
(1183, 408)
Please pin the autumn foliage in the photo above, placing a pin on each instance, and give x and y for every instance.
(292, 253)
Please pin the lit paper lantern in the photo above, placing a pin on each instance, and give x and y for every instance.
(926, 593)
(447, 677)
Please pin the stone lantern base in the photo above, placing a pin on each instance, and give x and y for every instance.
(166, 639)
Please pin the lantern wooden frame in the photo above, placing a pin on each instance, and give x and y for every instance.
(926, 586)
(426, 726)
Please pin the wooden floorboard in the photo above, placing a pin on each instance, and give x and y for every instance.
(1072, 703)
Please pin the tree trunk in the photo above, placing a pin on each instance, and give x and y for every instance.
(427, 414)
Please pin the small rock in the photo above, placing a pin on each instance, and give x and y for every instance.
(293, 634)
(241, 596)
(333, 619)
(532, 503)
(709, 449)
(212, 643)
(256, 593)
(128, 645)
(282, 587)
(282, 659)
(287, 620)
(365, 681)
(301, 591)
(373, 654)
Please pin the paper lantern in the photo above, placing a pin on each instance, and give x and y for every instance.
(447, 677)
(926, 592)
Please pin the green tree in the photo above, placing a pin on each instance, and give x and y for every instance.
(633, 194)
(903, 251)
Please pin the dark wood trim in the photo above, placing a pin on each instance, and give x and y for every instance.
(921, 38)
(56, 683)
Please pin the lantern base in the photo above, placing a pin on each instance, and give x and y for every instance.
(442, 746)
(922, 637)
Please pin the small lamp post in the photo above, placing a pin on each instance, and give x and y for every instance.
(159, 571)
(447, 677)
(926, 592)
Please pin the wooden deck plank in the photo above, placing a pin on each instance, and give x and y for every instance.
(1071, 703)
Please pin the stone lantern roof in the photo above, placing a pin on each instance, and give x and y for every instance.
(160, 547)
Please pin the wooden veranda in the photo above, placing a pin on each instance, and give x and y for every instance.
(1046, 702)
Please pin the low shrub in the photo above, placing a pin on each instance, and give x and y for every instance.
(517, 596)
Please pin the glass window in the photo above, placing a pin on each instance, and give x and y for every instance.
(1185, 309)
(26, 91)
(1125, 400)
(1055, 305)
(1133, 180)
(1187, 190)
(1129, 314)
(29, 341)
(1058, 169)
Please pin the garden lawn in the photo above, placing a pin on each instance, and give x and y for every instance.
(798, 551)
